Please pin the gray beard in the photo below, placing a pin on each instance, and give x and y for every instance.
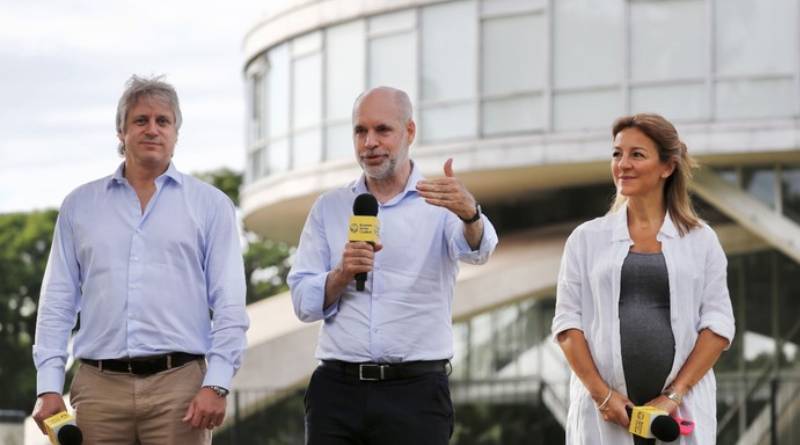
(386, 173)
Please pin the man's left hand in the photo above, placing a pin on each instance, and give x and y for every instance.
(448, 192)
(207, 410)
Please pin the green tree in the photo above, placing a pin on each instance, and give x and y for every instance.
(266, 262)
(225, 179)
(24, 247)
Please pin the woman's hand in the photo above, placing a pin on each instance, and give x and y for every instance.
(664, 404)
(614, 410)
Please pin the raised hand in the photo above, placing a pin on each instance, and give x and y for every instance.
(448, 192)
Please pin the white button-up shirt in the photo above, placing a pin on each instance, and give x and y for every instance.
(588, 299)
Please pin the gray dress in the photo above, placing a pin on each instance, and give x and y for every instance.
(648, 346)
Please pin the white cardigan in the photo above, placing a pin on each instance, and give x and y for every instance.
(587, 298)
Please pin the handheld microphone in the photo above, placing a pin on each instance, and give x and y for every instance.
(62, 430)
(364, 226)
(652, 423)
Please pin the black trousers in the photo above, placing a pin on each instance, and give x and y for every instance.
(342, 410)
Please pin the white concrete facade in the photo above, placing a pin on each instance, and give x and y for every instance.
(522, 94)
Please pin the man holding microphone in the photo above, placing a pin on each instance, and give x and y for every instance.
(151, 259)
(384, 351)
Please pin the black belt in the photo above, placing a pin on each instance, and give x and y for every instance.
(386, 371)
(144, 365)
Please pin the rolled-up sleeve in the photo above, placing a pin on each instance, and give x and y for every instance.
(58, 307)
(225, 281)
(568, 309)
(716, 312)
(459, 246)
(309, 271)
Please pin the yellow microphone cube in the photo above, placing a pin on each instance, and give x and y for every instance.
(53, 424)
(363, 228)
(62, 429)
(641, 419)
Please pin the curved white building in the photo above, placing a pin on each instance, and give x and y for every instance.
(522, 93)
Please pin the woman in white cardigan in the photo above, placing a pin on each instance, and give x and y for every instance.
(642, 307)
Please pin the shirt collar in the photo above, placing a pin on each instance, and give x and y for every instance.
(171, 173)
(620, 226)
(360, 185)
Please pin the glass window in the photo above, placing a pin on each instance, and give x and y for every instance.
(790, 190)
(480, 347)
(393, 22)
(668, 40)
(521, 69)
(588, 42)
(306, 44)
(460, 351)
(506, 7)
(253, 171)
(257, 107)
(278, 156)
(756, 36)
(760, 183)
(759, 348)
(755, 98)
(586, 110)
(789, 315)
(278, 91)
(307, 91)
(506, 323)
(307, 148)
(345, 49)
(339, 141)
(678, 102)
(729, 174)
(393, 62)
(449, 51)
(448, 122)
(520, 113)
(730, 359)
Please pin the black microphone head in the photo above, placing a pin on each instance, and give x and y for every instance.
(70, 435)
(665, 428)
(365, 205)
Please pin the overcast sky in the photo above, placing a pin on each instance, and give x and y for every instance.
(63, 66)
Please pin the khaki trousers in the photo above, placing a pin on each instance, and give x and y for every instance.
(122, 409)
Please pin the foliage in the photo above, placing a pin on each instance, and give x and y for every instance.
(266, 265)
(24, 247)
(224, 179)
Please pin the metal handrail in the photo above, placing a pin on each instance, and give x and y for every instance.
(763, 378)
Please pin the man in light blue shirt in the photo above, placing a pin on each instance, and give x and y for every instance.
(384, 351)
(151, 260)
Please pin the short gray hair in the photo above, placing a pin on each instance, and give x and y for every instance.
(139, 87)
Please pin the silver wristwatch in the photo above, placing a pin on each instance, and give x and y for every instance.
(673, 395)
(222, 392)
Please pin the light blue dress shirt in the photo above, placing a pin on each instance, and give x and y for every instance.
(404, 313)
(143, 282)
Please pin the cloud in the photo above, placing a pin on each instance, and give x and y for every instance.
(65, 65)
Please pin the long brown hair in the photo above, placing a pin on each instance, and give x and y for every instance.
(670, 149)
